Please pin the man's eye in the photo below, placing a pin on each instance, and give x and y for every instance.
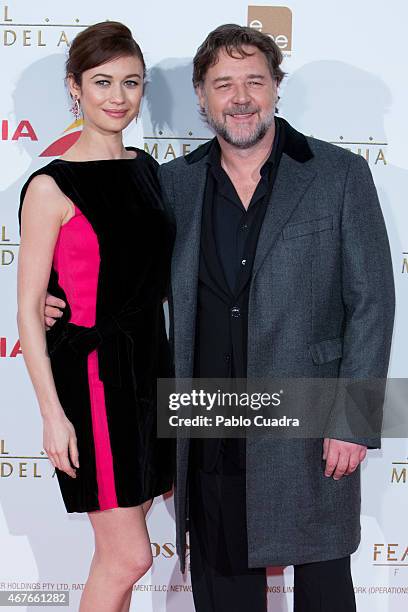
(255, 83)
(223, 86)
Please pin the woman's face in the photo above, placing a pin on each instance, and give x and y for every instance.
(110, 94)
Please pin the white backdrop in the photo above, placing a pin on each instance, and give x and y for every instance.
(346, 65)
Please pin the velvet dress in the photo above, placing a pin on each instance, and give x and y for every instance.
(111, 266)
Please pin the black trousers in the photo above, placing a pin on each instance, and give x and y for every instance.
(221, 579)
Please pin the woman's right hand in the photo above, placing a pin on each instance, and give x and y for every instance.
(53, 310)
(60, 444)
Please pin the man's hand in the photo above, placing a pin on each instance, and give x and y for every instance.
(53, 310)
(342, 458)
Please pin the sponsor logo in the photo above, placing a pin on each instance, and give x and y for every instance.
(7, 251)
(23, 129)
(395, 554)
(63, 143)
(165, 148)
(373, 151)
(166, 550)
(23, 466)
(9, 349)
(399, 472)
(275, 21)
(16, 32)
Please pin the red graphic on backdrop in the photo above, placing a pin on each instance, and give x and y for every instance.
(58, 147)
(7, 350)
(62, 144)
(23, 130)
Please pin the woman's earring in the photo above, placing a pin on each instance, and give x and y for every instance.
(76, 108)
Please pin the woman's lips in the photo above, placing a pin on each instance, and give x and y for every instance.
(115, 114)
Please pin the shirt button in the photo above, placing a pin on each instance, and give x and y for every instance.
(235, 312)
(244, 227)
(243, 262)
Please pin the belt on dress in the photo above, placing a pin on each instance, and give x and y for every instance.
(103, 336)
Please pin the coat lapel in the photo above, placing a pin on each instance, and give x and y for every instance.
(292, 181)
(190, 188)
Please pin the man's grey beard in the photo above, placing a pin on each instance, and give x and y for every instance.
(241, 142)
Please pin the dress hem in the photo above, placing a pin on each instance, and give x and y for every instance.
(132, 504)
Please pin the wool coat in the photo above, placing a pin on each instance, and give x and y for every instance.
(321, 304)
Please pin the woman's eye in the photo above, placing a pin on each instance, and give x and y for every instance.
(106, 83)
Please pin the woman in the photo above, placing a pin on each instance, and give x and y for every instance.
(94, 232)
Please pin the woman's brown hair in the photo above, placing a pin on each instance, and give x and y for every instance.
(100, 43)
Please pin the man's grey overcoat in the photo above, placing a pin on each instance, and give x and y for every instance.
(321, 305)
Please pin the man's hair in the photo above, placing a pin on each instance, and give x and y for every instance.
(232, 38)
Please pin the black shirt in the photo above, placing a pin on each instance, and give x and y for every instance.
(236, 229)
(229, 237)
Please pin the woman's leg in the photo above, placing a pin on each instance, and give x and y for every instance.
(146, 507)
(126, 605)
(122, 556)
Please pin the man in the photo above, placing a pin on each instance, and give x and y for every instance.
(281, 268)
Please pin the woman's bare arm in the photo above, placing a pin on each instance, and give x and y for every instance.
(44, 211)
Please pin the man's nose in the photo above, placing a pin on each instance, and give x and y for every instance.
(241, 95)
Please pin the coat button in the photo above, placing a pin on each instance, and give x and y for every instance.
(235, 312)
(227, 357)
(243, 262)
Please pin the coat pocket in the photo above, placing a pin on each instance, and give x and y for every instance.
(302, 228)
(326, 350)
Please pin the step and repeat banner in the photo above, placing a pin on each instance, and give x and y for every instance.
(346, 84)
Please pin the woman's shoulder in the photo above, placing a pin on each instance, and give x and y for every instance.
(143, 156)
(41, 180)
(42, 195)
(146, 168)
(43, 185)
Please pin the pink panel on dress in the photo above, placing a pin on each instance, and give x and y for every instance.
(76, 260)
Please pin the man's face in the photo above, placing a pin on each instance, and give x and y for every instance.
(239, 96)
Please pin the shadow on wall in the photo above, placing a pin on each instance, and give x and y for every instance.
(329, 99)
(170, 102)
(41, 98)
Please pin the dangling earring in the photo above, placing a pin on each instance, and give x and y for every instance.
(76, 108)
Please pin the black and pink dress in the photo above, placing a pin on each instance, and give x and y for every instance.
(111, 265)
